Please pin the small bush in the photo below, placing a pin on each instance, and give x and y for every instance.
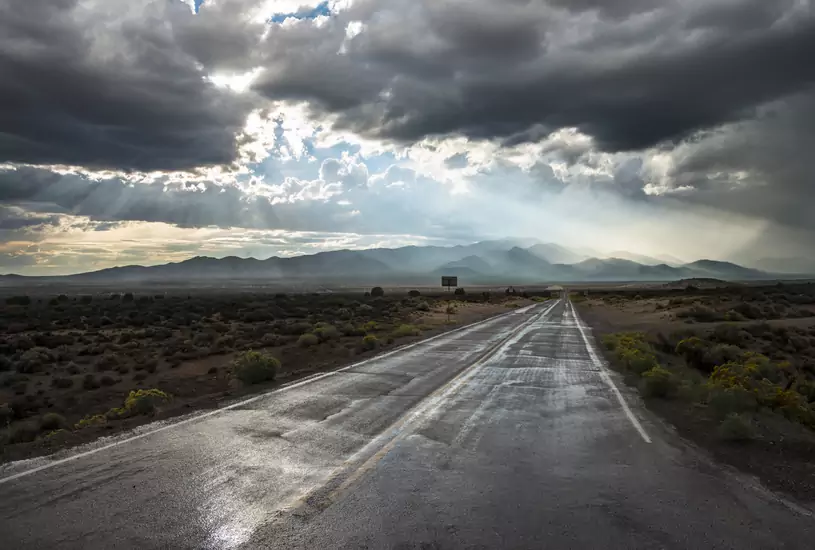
(90, 382)
(18, 300)
(736, 428)
(370, 326)
(459, 292)
(326, 332)
(658, 382)
(91, 420)
(307, 340)
(145, 401)
(23, 433)
(422, 306)
(107, 380)
(370, 342)
(377, 292)
(253, 367)
(52, 421)
(62, 383)
(451, 309)
(406, 330)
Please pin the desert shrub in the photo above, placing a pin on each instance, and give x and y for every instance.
(631, 352)
(204, 338)
(348, 329)
(695, 352)
(6, 413)
(344, 313)
(23, 433)
(253, 367)
(370, 326)
(459, 292)
(414, 293)
(270, 339)
(52, 421)
(33, 360)
(139, 376)
(72, 368)
(107, 380)
(307, 340)
(377, 292)
(224, 342)
(451, 309)
(62, 383)
(701, 313)
(127, 297)
(145, 401)
(734, 316)
(5, 364)
(422, 305)
(90, 382)
(736, 428)
(326, 332)
(365, 309)
(749, 310)
(406, 330)
(18, 300)
(509, 305)
(730, 334)
(658, 382)
(370, 342)
(297, 328)
(91, 420)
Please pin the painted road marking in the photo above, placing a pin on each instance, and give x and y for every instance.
(606, 377)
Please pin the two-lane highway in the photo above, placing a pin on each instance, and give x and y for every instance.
(506, 434)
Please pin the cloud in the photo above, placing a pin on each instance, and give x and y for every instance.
(519, 70)
(113, 84)
(455, 119)
(761, 167)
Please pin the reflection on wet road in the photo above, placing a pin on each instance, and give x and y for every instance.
(509, 433)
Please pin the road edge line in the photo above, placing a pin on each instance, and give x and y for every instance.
(606, 377)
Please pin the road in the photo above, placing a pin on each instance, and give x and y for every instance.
(509, 433)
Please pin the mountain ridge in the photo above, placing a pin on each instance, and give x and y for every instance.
(504, 260)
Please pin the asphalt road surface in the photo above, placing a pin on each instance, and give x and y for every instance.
(506, 434)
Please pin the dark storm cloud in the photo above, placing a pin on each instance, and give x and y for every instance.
(520, 70)
(762, 167)
(108, 85)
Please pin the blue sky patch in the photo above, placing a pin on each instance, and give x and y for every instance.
(318, 10)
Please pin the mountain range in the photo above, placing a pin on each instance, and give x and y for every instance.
(506, 261)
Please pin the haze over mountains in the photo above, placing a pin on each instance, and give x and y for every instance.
(510, 261)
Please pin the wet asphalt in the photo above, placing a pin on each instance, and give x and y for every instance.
(506, 434)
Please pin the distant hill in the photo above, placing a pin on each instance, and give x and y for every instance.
(505, 261)
(556, 254)
(802, 266)
(723, 270)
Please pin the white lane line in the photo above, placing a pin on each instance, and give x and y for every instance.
(605, 376)
(285, 387)
(426, 409)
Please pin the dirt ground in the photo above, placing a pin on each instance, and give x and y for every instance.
(66, 358)
(781, 452)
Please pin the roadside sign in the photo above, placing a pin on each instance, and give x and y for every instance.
(449, 281)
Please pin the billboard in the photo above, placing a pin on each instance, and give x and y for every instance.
(449, 281)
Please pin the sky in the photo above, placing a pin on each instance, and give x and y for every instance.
(148, 131)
